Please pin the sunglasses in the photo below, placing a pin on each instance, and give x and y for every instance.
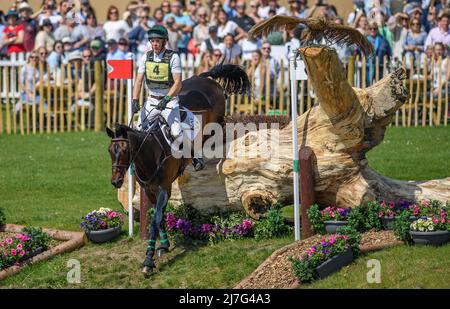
(266, 48)
(217, 55)
(202, 15)
(416, 24)
(113, 13)
(32, 57)
(373, 28)
(42, 54)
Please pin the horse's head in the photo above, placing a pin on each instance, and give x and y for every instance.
(119, 150)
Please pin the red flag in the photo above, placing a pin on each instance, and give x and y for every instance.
(120, 69)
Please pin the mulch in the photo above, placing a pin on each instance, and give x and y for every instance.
(276, 271)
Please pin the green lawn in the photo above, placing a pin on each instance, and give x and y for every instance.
(52, 180)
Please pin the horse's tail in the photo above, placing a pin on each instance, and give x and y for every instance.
(231, 77)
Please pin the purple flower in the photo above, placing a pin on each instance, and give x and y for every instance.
(184, 226)
(171, 221)
(206, 228)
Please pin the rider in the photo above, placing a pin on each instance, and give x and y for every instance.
(161, 68)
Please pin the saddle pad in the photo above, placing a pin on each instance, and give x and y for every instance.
(190, 126)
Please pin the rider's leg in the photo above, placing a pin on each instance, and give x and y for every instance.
(149, 112)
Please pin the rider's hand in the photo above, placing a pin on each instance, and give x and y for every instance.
(163, 103)
(135, 106)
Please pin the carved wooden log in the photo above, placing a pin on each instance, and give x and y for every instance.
(346, 124)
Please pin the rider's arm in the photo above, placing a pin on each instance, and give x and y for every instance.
(137, 86)
(176, 87)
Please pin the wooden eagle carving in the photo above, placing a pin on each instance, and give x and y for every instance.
(316, 30)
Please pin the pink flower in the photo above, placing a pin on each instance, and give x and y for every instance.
(9, 241)
(13, 252)
(345, 237)
(332, 214)
(416, 210)
(383, 204)
(22, 253)
(19, 246)
(332, 239)
(2, 244)
(390, 213)
(435, 221)
(425, 203)
(380, 214)
(391, 204)
(247, 224)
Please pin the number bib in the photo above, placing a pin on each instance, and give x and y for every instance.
(157, 71)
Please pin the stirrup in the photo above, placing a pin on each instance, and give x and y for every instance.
(198, 164)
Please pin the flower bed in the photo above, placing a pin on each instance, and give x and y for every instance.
(184, 223)
(22, 246)
(324, 258)
(328, 219)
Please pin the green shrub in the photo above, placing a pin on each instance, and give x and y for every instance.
(39, 238)
(365, 217)
(354, 238)
(402, 226)
(271, 226)
(315, 218)
(2, 217)
(373, 220)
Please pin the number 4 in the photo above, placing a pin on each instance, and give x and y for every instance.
(156, 70)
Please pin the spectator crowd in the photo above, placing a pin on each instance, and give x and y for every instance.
(216, 30)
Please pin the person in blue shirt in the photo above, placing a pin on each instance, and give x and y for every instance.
(381, 47)
(114, 53)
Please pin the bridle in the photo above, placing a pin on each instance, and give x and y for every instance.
(133, 156)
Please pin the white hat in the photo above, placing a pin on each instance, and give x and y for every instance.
(66, 39)
(75, 55)
(24, 6)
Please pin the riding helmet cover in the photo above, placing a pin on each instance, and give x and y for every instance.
(158, 32)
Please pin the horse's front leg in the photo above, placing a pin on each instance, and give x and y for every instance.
(160, 220)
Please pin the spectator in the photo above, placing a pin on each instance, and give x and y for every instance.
(442, 71)
(294, 43)
(212, 43)
(123, 45)
(192, 11)
(29, 74)
(115, 28)
(225, 26)
(244, 21)
(63, 7)
(214, 15)
(30, 26)
(114, 53)
(13, 34)
(358, 9)
(258, 74)
(248, 46)
(78, 33)
(86, 92)
(430, 21)
(62, 30)
(271, 5)
(49, 12)
(95, 31)
(383, 30)
(158, 17)
(56, 56)
(440, 34)
(174, 34)
(138, 35)
(230, 50)
(98, 52)
(85, 11)
(42, 58)
(361, 23)
(182, 22)
(229, 7)
(67, 46)
(201, 31)
(294, 9)
(398, 25)
(165, 6)
(414, 42)
(381, 48)
(254, 7)
(274, 65)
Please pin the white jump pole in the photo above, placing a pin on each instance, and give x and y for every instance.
(295, 167)
(131, 169)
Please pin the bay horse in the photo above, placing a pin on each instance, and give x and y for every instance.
(155, 168)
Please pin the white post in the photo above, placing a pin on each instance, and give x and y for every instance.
(292, 60)
(130, 169)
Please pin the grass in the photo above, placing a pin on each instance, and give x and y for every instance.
(52, 180)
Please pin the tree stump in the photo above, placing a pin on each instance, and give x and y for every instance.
(345, 124)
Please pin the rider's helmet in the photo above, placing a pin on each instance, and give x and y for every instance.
(158, 32)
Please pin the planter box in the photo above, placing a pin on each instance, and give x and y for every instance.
(331, 226)
(334, 264)
(388, 223)
(435, 238)
(414, 218)
(104, 235)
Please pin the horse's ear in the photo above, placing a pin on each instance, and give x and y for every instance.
(123, 130)
(109, 132)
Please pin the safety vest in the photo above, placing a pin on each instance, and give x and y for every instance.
(158, 74)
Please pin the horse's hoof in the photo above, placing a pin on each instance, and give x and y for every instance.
(147, 271)
(162, 251)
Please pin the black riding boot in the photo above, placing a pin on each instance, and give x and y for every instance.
(198, 163)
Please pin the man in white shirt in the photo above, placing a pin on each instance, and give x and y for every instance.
(230, 50)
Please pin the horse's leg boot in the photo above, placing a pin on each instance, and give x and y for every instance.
(149, 264)
(198, 163)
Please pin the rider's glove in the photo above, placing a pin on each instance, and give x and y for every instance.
(135, 106)
(162, 104)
